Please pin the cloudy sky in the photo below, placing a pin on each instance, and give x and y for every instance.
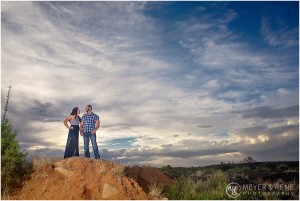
(178, 83)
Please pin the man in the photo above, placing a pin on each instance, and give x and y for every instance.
(88, 127)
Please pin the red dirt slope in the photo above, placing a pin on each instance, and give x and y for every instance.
(146, 176)
(81, 178)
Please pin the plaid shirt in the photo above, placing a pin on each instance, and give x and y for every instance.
(89, 122)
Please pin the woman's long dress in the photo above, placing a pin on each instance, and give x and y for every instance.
(72, 147)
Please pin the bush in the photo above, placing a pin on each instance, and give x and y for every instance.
(260, 170)
(12, 160)
(282, 168)
(239, 170)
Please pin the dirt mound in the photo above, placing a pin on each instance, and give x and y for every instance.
(81, 178)
(147, 176)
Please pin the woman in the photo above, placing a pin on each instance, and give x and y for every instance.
(72, 142)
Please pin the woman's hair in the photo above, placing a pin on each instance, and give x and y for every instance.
(74, 112)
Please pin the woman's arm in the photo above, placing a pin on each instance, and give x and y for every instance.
(68, 119)
(81, 128)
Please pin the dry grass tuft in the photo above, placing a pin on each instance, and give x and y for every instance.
(155, 191)
(41, 161)
(5, 195)
(118, 170)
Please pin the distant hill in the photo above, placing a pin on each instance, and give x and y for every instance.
(285, 170)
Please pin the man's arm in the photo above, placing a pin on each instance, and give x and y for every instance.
(97, 126)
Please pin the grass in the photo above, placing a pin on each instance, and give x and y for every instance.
(210, 182)
(117, 169)
(41, 161)
(189, 189)
(214, 188)
(156, 192)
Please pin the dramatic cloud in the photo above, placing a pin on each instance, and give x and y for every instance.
(168, 83)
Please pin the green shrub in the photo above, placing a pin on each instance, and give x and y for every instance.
(282, 168)
(262, 169)
(12, 160)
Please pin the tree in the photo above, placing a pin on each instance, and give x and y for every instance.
(12, 159)
(248, 159)
(6, 105)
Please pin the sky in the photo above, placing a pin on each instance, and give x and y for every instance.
(174, 83)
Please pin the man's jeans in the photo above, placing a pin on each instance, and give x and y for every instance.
(86, 138)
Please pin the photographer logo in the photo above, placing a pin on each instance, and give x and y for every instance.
(233, 190)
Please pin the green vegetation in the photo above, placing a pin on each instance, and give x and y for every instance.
(210, 182)
(254, 168)
(188, 189)
(12, 160)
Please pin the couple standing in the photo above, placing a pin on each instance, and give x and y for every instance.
(87, 125)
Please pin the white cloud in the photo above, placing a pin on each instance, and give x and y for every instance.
(276, 33)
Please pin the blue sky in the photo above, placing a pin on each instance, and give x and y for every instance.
(174, 83)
